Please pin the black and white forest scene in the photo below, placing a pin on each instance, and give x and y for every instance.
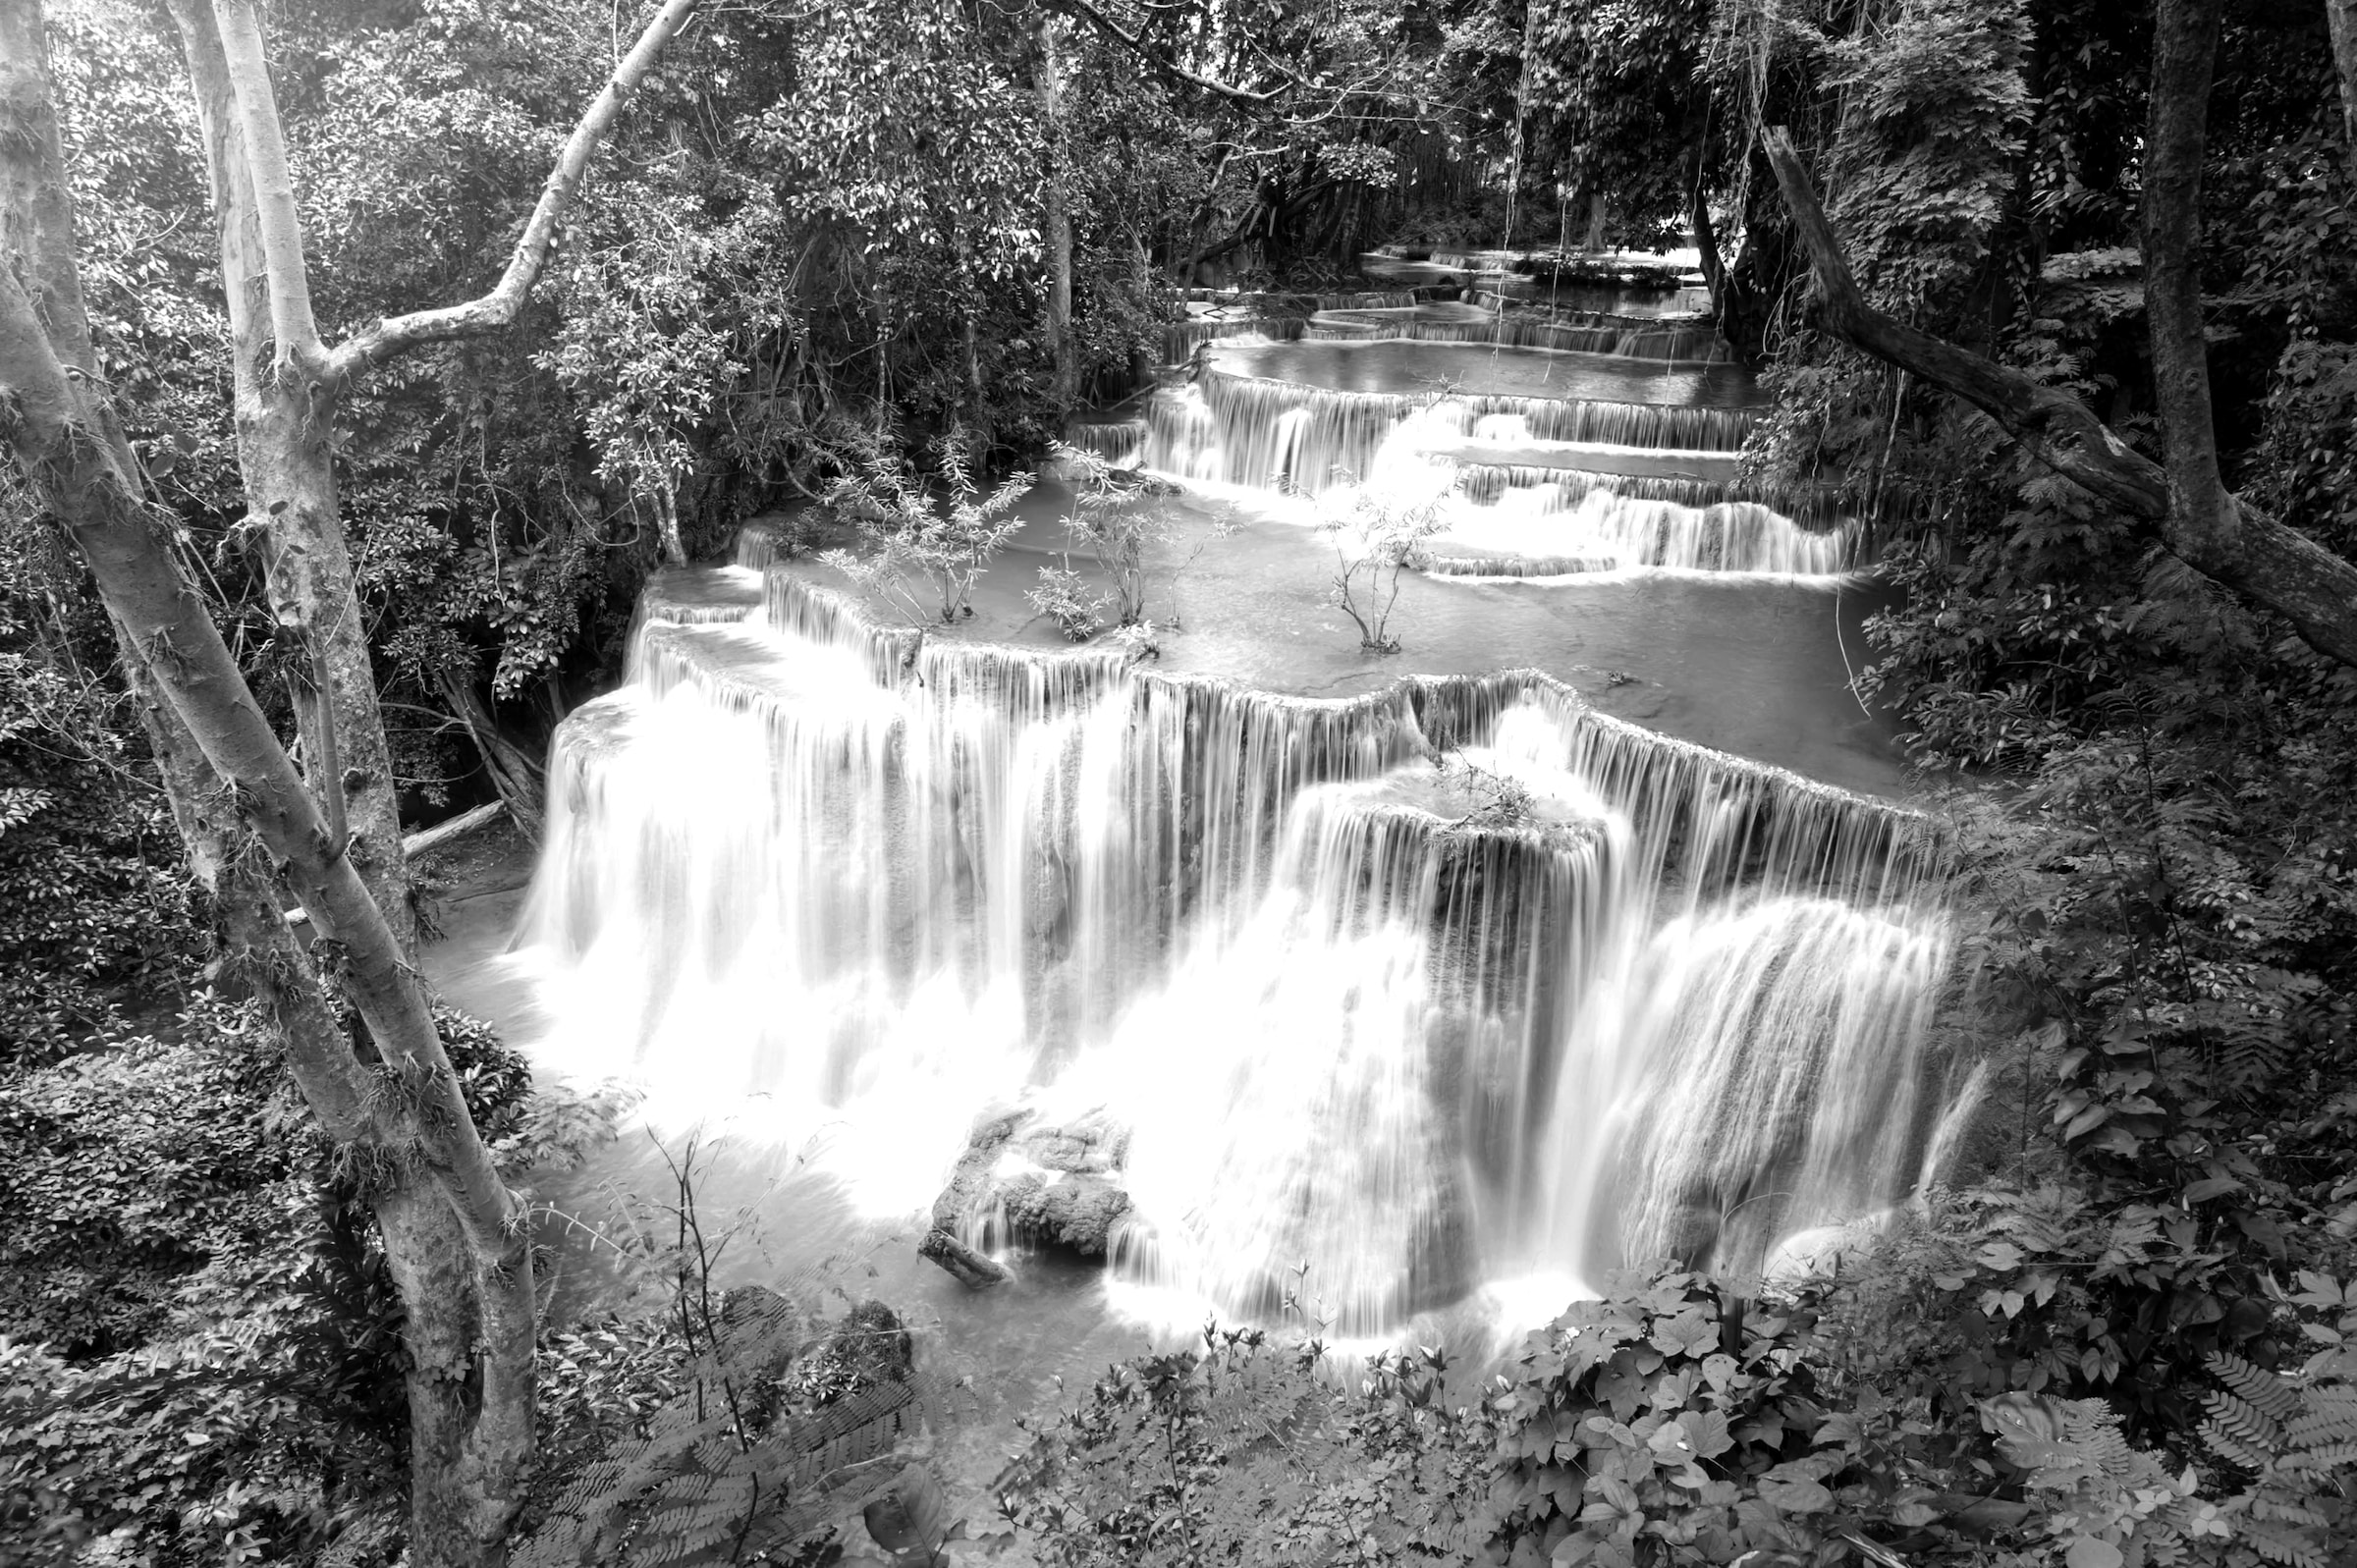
(1068, 784)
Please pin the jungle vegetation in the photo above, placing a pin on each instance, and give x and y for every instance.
(359, 361)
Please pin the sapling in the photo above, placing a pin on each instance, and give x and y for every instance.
(1118, 515)
(1377, 539)
(919, 539)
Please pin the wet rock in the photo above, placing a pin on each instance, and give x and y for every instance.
(1692, 1234)
(1041, 1184)
(760, 1332)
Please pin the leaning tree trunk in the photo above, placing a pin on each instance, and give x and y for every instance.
(255, 828)
(518, 779)
(2185, 505)
(63, 434)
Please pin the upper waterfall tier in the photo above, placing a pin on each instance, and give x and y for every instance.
(1481, 369)
(1247, 430)
(1680, 341)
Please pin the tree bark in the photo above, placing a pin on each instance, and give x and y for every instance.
(254, 829)
(2274, 565)
(1062, 352)
(61, 431)
(2201, 521)
(2342, 17)
(284, 420)
(515, 775)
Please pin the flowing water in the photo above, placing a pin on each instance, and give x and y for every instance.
(1455, 992)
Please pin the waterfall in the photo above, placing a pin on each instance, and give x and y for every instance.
(1120, 442)
(1450, 981)
(1546, 486)
(1685, 343)
(1598, 522)
(1226, 427)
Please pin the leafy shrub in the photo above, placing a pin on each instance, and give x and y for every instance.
(1064, 597)
(2294, 1439)
(95, 921)
(127, 1170)
(1247, 1451)
(913, 536)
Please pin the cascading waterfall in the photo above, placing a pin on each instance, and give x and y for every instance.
(1226, 427)
(1608, 529)
(1418, 987)
(1685, 343)
(1545, 486)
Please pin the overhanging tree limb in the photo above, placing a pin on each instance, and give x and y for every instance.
(499, 308)
(1137, 45)
(2274, 565)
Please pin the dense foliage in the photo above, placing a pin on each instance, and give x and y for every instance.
(1674, 1421)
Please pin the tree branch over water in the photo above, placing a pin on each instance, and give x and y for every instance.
(496, 309)
(2225, 539)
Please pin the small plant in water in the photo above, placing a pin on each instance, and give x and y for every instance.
(1377, 539)
(1493, 800)
(1063, 596)
(943, 541)
(1118, 515)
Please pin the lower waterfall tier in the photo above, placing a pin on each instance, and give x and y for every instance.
(1447, 982)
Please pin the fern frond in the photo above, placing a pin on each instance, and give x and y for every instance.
(2232, 1449)
(853, 1429)
(2245, 1419)
(2327, 1419)
(2093, 1429)
(830, 1498)
(2278, 1545)
(2331, 1456)
(2274, 1397)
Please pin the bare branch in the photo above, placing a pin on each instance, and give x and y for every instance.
(499, 308)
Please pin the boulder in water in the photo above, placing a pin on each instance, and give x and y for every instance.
(1043, 1183)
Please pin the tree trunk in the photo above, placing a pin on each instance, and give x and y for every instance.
(2201, 522)
(1063, 352)
(284, 420)
(254, 829)
(64, 435)
(515, 775)
(2258, 557)
(2341, 16)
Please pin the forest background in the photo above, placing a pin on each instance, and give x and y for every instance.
(809, 228)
